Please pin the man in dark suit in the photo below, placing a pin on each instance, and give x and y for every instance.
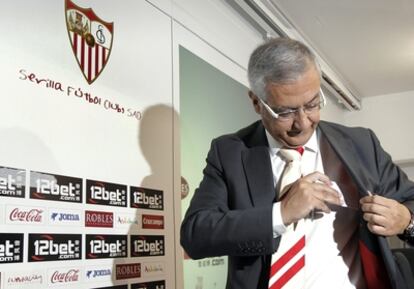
(238, 209)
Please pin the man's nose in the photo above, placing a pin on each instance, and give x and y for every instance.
(301, 120)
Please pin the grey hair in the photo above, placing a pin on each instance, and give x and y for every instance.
(279, 61)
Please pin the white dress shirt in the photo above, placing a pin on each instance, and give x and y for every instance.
(332, 255)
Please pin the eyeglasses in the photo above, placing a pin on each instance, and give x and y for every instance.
(290, 113)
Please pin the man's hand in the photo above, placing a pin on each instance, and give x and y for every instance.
(310, 192)
(385, 217)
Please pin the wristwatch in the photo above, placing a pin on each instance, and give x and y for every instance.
(409, 231)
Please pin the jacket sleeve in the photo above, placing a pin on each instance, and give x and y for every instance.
(213, 226)
(394, 183)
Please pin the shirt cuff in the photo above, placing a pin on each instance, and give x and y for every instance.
(277, 222)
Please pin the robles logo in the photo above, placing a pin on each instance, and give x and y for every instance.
(106, 246)
(143, 246)
(99, 219)
(11, 248)
(149, 285)
(128, 271)
(24, 215)
(52, 187)
(54, 247)
(12, 182)
(144, 198)
(107, 194)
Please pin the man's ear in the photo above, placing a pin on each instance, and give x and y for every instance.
(256, 102)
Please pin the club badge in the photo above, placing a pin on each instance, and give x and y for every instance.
(90, 38)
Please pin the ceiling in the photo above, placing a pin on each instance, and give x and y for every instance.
(370, 43)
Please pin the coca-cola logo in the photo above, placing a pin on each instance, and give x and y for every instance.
(65, 276)
(25, 215)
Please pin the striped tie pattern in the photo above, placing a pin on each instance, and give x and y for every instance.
(289, 260)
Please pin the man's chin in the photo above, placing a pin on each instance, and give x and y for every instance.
(296, 141)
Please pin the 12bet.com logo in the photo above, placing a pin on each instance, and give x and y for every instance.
(54, 247)
(106, 246)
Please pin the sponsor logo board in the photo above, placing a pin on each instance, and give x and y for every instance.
(152, 221)
(127, 220)
(25, 215)
(104, 193)
(149, 285)
(23, 279)
(152, 269)
(144, 198)
(128, 271)
(51, 187)
(106, 246)
(54, 247)
(99, 219)
(64, 276)
(146, 245)
(65, 217)
(98, 273)
(12, 182)
(11, 248)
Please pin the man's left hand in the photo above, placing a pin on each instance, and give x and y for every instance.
(385, 216)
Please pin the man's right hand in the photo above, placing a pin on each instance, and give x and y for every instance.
(313, 191)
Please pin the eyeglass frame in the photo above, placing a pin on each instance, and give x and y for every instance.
(275, 115)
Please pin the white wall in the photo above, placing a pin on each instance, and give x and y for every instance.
(333, 111)
(391, 118)
(214, 31)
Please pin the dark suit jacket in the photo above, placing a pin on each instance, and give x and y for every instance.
(231, 211)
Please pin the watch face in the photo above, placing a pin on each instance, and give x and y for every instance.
(409, 231)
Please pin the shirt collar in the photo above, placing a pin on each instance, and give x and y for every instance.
(275, 146)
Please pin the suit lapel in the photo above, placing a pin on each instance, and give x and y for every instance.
(258, 168)
(347, 154)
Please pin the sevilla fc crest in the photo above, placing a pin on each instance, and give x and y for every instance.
(91, 39)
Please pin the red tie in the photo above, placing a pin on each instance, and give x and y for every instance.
(300, 150)
(289, 260)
